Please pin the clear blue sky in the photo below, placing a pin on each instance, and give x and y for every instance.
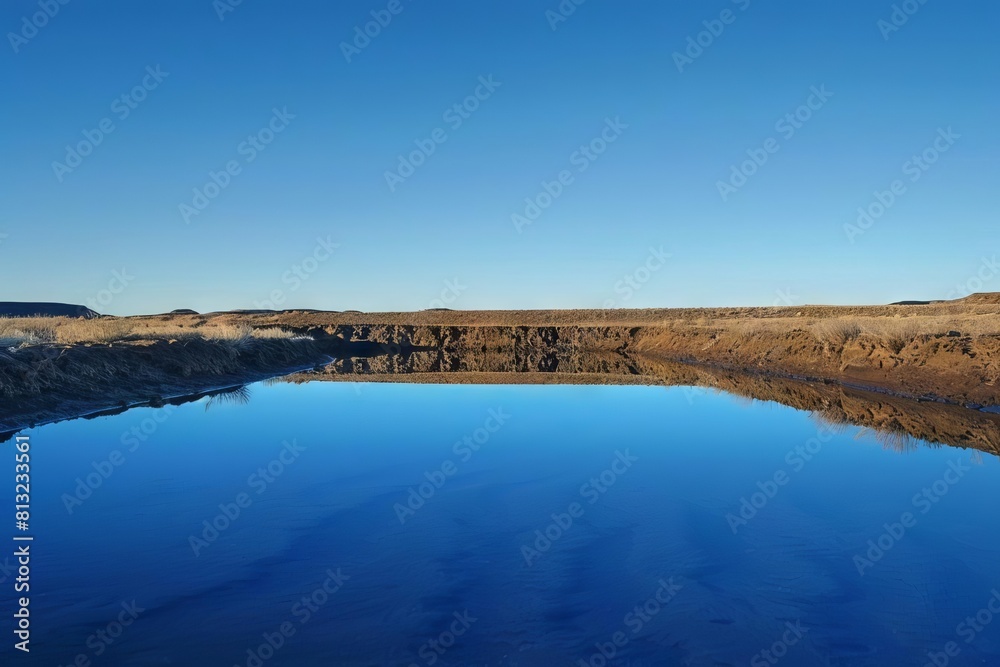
(780, 236)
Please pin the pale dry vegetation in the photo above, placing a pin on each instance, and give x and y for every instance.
(836, 331)
(18, 332)
(893, 331)
(896, 332)
(757, 331)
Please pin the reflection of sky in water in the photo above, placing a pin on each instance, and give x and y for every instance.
(696, 456)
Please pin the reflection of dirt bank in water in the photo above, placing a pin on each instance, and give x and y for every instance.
(897, 419)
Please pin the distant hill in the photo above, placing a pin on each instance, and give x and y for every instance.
(29, 308)
(983, 297)
(988, 298)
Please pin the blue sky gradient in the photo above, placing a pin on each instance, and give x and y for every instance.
(313, 221)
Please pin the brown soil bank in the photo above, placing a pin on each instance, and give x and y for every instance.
(47, 383)
(954, 367)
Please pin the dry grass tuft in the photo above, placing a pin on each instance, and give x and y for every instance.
(21, 331)
(238, 335)
(897, 332)
(273, 332)
(894, 333)
(836, 331)
(102, 330)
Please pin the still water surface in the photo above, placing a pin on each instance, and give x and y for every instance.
(399, 524)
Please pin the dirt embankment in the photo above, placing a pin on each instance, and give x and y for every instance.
(49, 383)
(955, 367)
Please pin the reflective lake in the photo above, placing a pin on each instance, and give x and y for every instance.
(407, 524)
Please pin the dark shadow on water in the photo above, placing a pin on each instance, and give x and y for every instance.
(235, 395)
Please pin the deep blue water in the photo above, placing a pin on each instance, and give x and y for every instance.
(639, 489)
